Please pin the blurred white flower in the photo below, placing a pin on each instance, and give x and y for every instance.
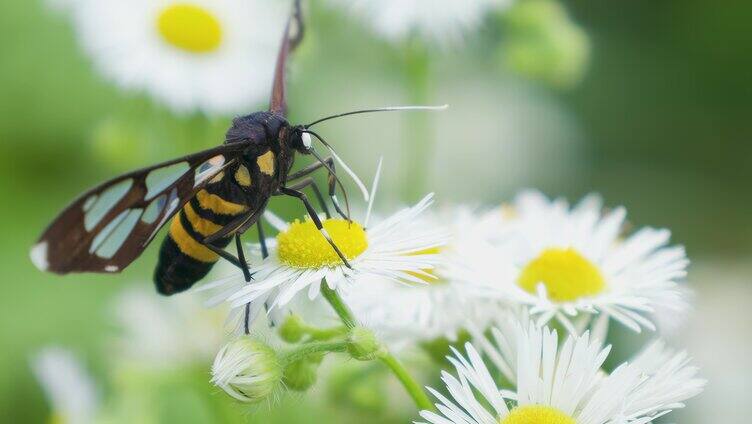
(247, 369)
(559, 385)
(440, 307)
(166, 332)
(216, 56)
(67, 384)
(445, 22)
(571, 264)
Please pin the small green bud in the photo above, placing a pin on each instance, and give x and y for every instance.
(247, 369)
(543, 43)
(292, 329)
(301, 375)
(363, 345)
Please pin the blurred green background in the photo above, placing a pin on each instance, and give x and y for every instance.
(660, 123)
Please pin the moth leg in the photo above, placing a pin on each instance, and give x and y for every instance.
(224, 232)
(264, 255)
(310, 182)
(241, 259)
(312, 213)
(241, 263)
(223, 254)
(332, 185)
(308, 170)
(247, 276)
(262, 240)
(233, 225)
(328, 163)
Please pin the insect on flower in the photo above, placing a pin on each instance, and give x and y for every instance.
(217, 195)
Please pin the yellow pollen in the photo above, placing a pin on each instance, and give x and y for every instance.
(508, 211)
(566, 274)
(537, 414)
(189, 27)
(432, 272)
(303, 246)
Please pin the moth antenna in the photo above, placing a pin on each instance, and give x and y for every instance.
(380, 109)
(344, 166)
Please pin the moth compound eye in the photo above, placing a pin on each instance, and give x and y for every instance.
(306, 140)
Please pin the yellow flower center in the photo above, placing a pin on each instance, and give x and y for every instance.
(190, 27)
(431, 272)
(508, 211)
(303, 246)
(566, 274)
(537, 414)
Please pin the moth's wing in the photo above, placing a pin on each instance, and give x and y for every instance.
(108, 227)
(292, 36)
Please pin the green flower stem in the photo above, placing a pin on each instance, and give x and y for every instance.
(339, 306)
(418, 149)
(413, 388)
(324, 333)
(309, 349)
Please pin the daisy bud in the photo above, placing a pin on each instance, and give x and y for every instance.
(300, 375)
(247, 370)
(292, 329)
(363, 345)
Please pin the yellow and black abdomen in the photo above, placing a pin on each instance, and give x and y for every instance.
(183, 259)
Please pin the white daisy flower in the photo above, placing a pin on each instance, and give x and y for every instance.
(216, 56)
(670, 369)
(405, 314)
(67, 384)
(300, 258)
(443, 22)
(672, 378)
(571, 264)
(557, 386)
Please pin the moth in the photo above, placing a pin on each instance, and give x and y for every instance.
(209, 198)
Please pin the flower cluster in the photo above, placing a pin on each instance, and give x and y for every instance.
(427, 279)
(422, 274)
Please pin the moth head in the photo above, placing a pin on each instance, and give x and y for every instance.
(300, 140)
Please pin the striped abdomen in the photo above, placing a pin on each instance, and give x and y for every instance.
(183, 260)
